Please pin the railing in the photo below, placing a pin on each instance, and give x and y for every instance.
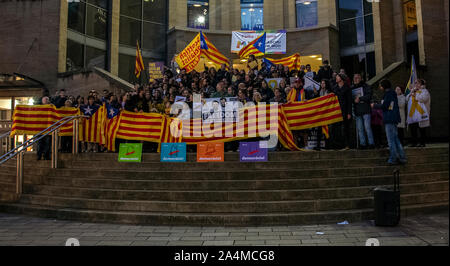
(53, 130)
(5, 142)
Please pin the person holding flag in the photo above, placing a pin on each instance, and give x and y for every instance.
(255, 48)
(419, 107)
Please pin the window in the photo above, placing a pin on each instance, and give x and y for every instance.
(95, 57)
(75, 55)
(409, 7)
(306, 13)
(198, 14)
(76, 16)
(155, 11)
(355, 23)
(96, 21)
(357, 37)
(89, 20)
(252, 15)
(129, 31)
(153, 41)
(131, 8)
(144, 21)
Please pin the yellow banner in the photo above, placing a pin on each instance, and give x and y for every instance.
(190, 56)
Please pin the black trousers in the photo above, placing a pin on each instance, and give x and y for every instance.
(66, 144)
(414, 136)
(44, 147)
(401, 135)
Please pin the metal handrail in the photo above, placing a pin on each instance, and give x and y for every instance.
(20, 150)
(12, 153)
(32, 139)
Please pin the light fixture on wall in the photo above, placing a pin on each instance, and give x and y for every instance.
(201, 19)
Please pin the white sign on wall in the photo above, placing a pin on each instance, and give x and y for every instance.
(275, 41)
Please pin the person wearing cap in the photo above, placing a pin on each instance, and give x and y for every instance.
(298, 94)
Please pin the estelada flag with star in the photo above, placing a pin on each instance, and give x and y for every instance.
(110, 125)
(200, 47)
(257, 47)
(90, 129)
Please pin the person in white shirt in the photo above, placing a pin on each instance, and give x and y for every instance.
(422, 95)
(402, 106)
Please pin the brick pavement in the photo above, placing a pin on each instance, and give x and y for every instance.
(422, 230)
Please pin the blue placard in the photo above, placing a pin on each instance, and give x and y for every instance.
(173, 152)
(253, 152)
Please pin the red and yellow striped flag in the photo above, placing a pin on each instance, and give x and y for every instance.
(30, 120)
(140, 126)
(293, 61)
(318, 112)
(139, 62)
(295, 96)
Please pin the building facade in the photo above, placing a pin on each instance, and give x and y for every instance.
(58, 42)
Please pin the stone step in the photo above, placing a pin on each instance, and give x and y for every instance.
(189, 166)
(226, 185)
(223, 196)
(226, 207)
(235, 174)
(273, 156)
(218, 219)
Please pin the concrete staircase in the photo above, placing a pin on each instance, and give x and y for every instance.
(293, 188)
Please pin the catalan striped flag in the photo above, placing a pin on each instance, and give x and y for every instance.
(257, 47)
(296, 96)
(318, 112)
(326, 131)
(211, 53)
(139, 67)
(110, 126)
(30, 120)
(91, 128)
(140, 126)
(253, 122)
(293, 61)
(67, 129)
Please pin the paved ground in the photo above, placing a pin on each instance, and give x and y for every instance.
(413, 231)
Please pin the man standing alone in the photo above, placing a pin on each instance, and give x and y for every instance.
(391, 118)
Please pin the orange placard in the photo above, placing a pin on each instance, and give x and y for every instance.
(210, 152)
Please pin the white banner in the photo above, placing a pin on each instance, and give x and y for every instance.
(420, 112)
(310, 84)
(275, 41)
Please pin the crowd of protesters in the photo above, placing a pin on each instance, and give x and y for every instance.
(250, 86)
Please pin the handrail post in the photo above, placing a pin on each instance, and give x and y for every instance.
(75, 136)
(55, 149)
(19, 173)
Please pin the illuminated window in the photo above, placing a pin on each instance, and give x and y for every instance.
(306, 13)
(198, 14)
(252, 15)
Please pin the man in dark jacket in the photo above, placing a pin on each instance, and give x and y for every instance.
(391, 118)
(362, 96)
(325, 72)
(344, 94)
(61, 99)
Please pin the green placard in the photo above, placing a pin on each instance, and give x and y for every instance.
(130, 152)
